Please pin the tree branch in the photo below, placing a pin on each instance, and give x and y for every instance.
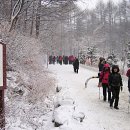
(14, 17)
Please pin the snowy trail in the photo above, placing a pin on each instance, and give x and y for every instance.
(98, 114)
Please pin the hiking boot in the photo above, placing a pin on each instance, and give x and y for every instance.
(111, 106)
(104, 99)
(116, 107)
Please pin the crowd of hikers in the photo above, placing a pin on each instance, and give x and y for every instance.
(109, 76)
(65, 60)
(111, 81)
(61, 59)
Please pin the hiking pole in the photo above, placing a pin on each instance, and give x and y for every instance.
(99, 92)
(99, 85)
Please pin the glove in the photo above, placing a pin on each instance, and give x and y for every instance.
(121, 88)
(100, 84)
(98, 74)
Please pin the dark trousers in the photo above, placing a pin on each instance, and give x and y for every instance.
(115, 96)
(129, 84)
(105, 90)
(60, 62)
(76, 70)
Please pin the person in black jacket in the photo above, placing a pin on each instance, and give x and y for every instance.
(128, 75)
(76, 65)
(101, 64)
(115, 83)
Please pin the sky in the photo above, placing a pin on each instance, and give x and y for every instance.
(83, 4)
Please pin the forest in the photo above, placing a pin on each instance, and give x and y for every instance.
(35, 29)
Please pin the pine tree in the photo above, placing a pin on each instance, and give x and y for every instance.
(112, 59)
(128, 55)
(82, 56)
(91, 53)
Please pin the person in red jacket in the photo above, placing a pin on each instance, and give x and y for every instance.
(104, 79)
(60, 60)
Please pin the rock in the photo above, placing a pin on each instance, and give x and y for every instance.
(68, 101)
(62, 114)
(64, 127)
(55, 128)
(18, 91)
(57, 124)
(79, 116)
(61, 102)
(58, 88)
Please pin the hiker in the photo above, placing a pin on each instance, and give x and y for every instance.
(104, 80)
(60, 60)
(76, 65)
(115, 84)
(100, 66)
(128, 75)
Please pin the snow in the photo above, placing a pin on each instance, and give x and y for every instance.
(98, 115)
(21, 114)
(74, 106)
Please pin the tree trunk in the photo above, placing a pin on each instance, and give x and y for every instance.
(15, 13)
(25, 19)
(32, 22)
(38, 18)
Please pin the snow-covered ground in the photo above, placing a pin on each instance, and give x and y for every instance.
(72, 107)
(98, 115)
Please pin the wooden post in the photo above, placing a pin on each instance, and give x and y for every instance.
(2, 117)
(2, 83)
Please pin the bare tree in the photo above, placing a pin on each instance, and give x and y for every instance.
(38, 18)
(15, 13)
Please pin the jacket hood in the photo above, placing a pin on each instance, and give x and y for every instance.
(115, 67)
(106, 66)
(101, 59)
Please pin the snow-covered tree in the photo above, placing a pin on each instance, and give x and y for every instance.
(82, 56)
(128, 55)
(112, 59)
(92, 54)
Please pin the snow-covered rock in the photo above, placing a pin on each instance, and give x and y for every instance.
(79, 116)
(59, 102)
(67, 101)
(63, 114)
(56, 128)
(65, 127)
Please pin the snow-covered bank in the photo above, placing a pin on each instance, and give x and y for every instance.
(28, 99)
(98, 115)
